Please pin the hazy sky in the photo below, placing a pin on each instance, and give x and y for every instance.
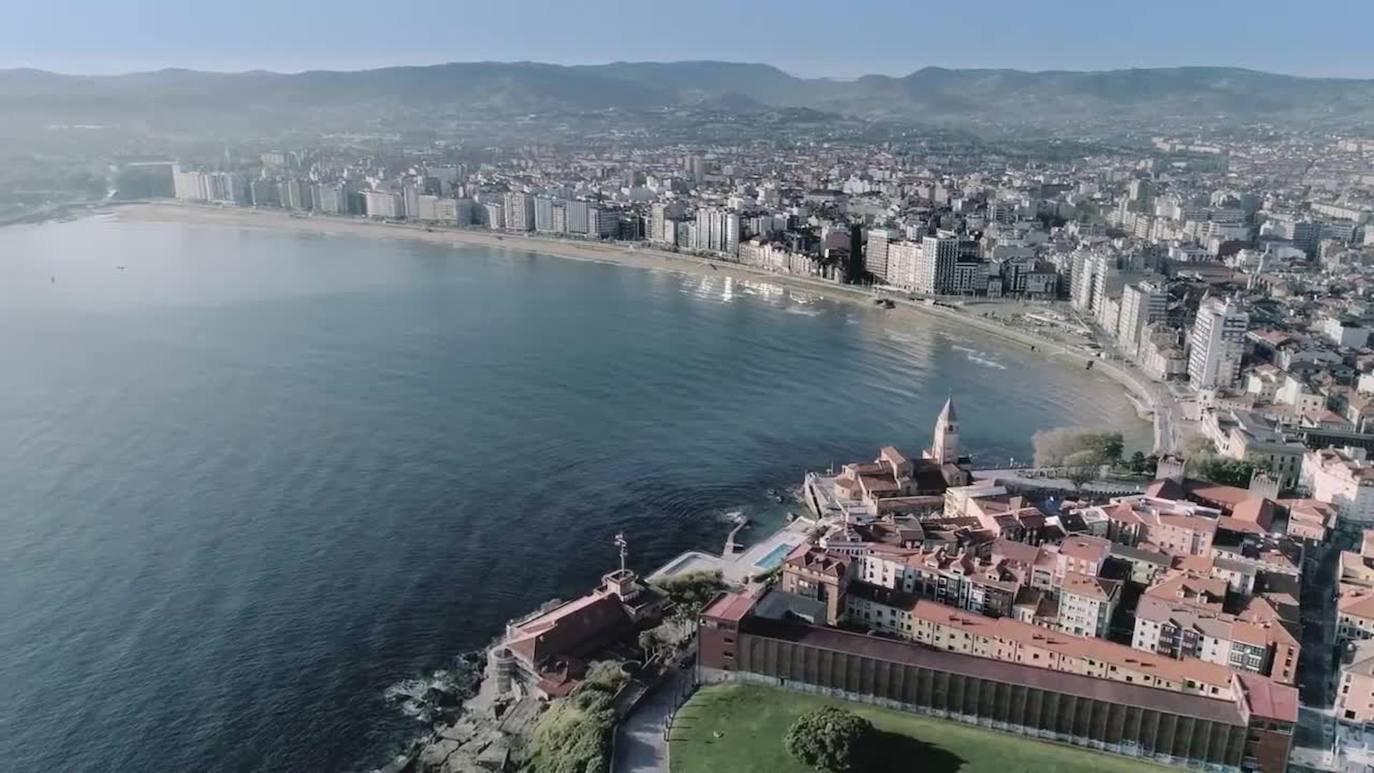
(839, 38)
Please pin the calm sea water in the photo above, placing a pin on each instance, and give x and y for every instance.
(253, 479)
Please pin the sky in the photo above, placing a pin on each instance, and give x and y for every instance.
(839, 38)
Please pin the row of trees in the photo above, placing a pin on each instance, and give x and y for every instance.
(1080, 452)
(1204, 462)
(1076, 447)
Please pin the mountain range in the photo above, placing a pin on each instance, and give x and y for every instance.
(930, 95)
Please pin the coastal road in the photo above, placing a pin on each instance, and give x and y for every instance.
(640, 746)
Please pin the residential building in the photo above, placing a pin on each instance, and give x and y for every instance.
(1141, 304)
(936, 262)
(1344, 478)
(1217, 342)
(1355, 688)
(519, 211)
(1032, 682)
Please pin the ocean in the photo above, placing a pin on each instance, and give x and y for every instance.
(251, 480)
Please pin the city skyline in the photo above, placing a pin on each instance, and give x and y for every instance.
(806, 39)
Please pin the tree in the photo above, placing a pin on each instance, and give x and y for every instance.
(1199, 445)
(689, 592)
(1137, 463)
(1061, 445)
(1080, 475)
(574, 734)
(649, 643)
(830, 739)
(1229, 472)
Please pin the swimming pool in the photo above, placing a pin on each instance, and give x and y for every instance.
(774, 557)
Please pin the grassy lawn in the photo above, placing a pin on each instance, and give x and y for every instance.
(752, 720)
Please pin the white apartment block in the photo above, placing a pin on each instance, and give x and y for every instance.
(1141, 304)
(1344, 478)
(1217, 341)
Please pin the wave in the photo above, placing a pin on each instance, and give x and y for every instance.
(978, 357)
(803, 312)
(985, 362)
(439, 696)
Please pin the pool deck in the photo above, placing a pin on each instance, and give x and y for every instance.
(736, 569)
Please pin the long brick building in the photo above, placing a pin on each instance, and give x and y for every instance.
(1247, 727)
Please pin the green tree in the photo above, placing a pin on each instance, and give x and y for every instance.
(573, 735)
(649, 643)
(1229, 472)
(1075, 445)
(689, 592)
(830, 739)
(1199, 445)
(1137, 463)
(1080, 475)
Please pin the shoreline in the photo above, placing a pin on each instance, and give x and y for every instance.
(1154, 398)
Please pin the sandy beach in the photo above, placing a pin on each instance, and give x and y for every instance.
(1143, 393)
(601, 252)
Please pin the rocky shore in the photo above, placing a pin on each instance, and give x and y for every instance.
(472, 729)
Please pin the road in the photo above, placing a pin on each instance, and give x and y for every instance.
(640, 745)
(1317, 662)
(1316, 732)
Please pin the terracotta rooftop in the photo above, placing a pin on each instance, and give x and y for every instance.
(730, 606)
(1083, 548)
(810, 558)
(1268, 699)
(999, 671)
(1092, 587)
(1012, 631)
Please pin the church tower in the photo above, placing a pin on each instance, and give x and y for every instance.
(945, 448)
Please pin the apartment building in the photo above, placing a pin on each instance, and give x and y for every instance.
(1344, 478)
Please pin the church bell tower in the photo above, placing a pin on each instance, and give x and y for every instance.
(945, 448)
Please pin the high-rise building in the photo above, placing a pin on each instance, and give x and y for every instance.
(1143, 195)
(410, 199)
(935, 264)
(494, 214)
(519, 211)
(576, 214)
(264, 193)
(298, 194)
(902, 257)
(190, 186)
(1217, 341)
(1141, 304)
(1107, 283)
(696, 167)
(1307, 235)
(717, 230)
(330, 198)
(560, 218)
(383, 204)
(875, 253)
(659, 225)
(543, 213)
